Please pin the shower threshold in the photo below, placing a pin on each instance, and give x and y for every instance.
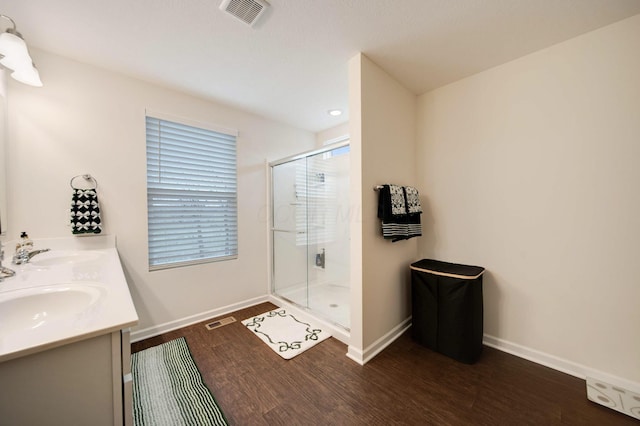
(338, 331)
(329, 301)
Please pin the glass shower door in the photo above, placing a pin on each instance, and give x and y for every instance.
(310, 232)
(289, 233)
(328, 235)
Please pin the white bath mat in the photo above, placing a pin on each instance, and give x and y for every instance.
(285, 333)
(614, 397)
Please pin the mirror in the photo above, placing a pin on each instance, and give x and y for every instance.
(3, 139)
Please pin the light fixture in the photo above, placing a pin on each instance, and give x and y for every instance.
(15, 56)
(335, 112)
(29, 76)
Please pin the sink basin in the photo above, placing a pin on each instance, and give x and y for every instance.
(56, 257)
(38, 308)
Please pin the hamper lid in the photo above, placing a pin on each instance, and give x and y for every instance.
(446, 269)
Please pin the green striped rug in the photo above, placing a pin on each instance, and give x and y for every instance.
(168, 388)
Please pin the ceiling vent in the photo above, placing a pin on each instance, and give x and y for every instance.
(248, 11)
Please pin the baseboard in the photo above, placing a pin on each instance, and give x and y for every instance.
(557, 363)
(146, 333)
(366, 355)
(355, 355)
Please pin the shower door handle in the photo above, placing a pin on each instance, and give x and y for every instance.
(288, 231)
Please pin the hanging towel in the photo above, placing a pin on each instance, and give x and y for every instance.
(413, 200)
(85, 212)
(389, 204)
(414, 210)
(399, 210)
(398, 204)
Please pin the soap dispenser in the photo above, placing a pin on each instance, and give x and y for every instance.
(24, 246)
(25, 242)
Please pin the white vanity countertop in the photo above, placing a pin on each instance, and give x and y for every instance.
(87, 269)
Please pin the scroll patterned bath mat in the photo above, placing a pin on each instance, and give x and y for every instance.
(287, 334)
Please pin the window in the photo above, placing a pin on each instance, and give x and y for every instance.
(191, 193)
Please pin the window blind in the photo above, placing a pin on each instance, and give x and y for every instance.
(191, 194)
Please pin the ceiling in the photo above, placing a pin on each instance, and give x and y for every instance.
(292, 65)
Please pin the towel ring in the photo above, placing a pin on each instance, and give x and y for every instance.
(86, 177)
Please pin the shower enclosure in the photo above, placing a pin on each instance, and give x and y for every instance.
(310, 231)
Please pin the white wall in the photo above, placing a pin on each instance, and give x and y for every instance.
(356, 343)
(383, 123)
(3, 143)
(530, 169)
(89, 120)
(339, 131)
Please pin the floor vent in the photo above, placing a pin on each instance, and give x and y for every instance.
(248, 11)
(219, 323)
(614, 397)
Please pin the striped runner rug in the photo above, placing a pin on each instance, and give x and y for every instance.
(168, 388)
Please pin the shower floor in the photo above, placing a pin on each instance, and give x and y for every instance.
(328, 301)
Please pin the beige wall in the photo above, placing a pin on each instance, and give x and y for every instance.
(383, 115)
(531, 170)
(89, 120)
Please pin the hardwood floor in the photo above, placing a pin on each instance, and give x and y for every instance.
(406, 384)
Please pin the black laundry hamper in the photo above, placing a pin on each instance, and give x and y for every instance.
(447, 308)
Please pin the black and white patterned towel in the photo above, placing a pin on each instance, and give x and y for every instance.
(399, 210)
(85, 212)
(413, 200)
(398, 206)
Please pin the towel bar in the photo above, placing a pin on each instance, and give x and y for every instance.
(86, 177)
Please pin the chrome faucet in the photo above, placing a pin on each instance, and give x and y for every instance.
(24, 255)
(24, 250)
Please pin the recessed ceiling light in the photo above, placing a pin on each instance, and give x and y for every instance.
(335, 112)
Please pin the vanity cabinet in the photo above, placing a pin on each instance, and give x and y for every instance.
(87, 382)
(65, 352)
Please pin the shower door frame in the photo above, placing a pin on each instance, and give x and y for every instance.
(339, 143)
(342, 142)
